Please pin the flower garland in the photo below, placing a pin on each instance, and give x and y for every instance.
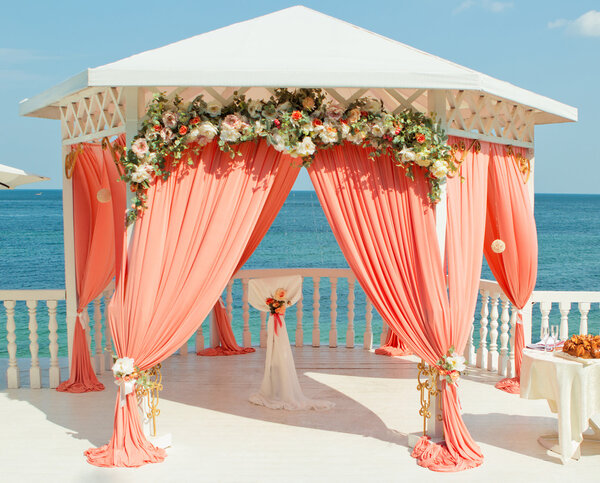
(297, 123)
(127, 376)
(278, 303)
(451, 366)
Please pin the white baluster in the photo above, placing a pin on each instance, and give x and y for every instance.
(584, 308)
(564, 308)
(469, 353)
(333, 329)
(98, 336)
(493, 351)
(229, 300)
(183, 350)
(108, 349)
(12, 373)
(316, 332)
(35, 372)
(199, 342)
(246, 314)
(54, 371)
(368, 336)
(263, 329)
(545, 308)
(504, 327)
(482, 352)
(299, 340)
(350, 329)
(510, 367)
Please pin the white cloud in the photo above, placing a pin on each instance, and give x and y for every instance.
(489, 5)
(588, 25)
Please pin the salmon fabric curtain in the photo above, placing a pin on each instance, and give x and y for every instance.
(184, 250)
(286, 175)
(393, 346)
(510, 219)
(98, 218)
(385, 226)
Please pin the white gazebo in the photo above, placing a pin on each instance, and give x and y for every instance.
(111, 99)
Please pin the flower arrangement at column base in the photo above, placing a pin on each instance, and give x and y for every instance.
(278, 303)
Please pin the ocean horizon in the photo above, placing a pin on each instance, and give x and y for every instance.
(31, 247)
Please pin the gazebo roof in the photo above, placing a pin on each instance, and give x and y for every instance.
(266, 52)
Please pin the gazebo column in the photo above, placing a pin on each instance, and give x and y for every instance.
(436, 103)
(69, 247)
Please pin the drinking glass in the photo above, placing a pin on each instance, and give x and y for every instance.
(555, 335)
(545, 336)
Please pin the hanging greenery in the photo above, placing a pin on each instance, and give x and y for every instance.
(297, 123)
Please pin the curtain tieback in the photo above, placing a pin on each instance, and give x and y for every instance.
(125, 388)
(277, 322)
(519, 316)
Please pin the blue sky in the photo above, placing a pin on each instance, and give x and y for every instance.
(550, 47)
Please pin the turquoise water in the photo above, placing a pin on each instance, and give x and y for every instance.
(31, 257)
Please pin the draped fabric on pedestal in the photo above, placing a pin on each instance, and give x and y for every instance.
(385, 226)
(98, 218)
(393, 346)
(285, 177)
(184, 250)
(510, 219)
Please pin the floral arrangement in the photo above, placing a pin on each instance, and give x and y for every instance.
(127, 376)
(451, 366)
(278, 302)
(297, 123)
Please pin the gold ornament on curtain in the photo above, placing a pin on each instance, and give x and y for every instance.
(116, 150)
(523, 163)
(71, 160)
(498, 246)
(459, 153)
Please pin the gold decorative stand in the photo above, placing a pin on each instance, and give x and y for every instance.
(428, 382)
(150, 390)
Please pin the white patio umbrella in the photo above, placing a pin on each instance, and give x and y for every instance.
(11, 177)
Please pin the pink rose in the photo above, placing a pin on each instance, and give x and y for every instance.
(140, 147)
(232, 121)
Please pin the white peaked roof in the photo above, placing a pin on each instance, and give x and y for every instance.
(295, 47)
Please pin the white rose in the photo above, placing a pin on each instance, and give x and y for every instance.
(140, 147)
(457, 362)
(408, 155)
(377, 129)
(328, 134)
(439, 169)
(214, 109)
(123, 366)
(306, 147)
(208, 130)
(229, 135)
(356, 138)
(254, 108)
(259, 128)
(345, 129)
(307, 128)
(373, 106)
(170, 119)
(278, 142)
(335, 112)
(141, 173)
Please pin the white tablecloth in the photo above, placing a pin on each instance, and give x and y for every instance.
(280, 388)
(572, 390)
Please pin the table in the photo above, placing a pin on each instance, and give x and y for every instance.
(572, 391)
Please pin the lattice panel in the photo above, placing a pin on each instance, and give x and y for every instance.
(473, 112)
(93, 115)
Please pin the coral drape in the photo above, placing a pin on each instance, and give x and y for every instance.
(286, 175)
(393, 346)
(510, 219)
(385, 227)
(185, 248)
(97, 220)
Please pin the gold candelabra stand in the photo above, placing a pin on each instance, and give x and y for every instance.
(150, 390)
(428, 378)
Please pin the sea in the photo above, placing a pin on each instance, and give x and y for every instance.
(31, 257)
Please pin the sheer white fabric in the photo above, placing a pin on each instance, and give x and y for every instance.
(280, 388)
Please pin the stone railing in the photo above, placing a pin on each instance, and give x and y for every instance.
(334, 311)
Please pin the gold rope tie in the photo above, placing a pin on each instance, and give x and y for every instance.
(71, 160)
(461, 149)
(428, 388)
(523, 163)
(117, 151)
(151, 390)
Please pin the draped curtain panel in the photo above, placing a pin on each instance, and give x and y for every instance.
(510, 219)
(98, 219)
(287, 172)
(393, 346)
(185, 248)
(385, 226)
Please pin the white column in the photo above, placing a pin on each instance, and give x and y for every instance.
(368, 336)
(564, 308)
(99, 360)
(199, 338)
(350, 329)
(35, 372)
(333, 329)
(482, 351)
(54, 371)
(469, 353)
(584, 308)
(316, 331)
(299, 339)
(545, 308)
(504, 342)
(246, 314)
(510, 366)
(492, 364)
(12, 373)
(229, 300)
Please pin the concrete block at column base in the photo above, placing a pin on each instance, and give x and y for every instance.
(163, 441)
(413, 439)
